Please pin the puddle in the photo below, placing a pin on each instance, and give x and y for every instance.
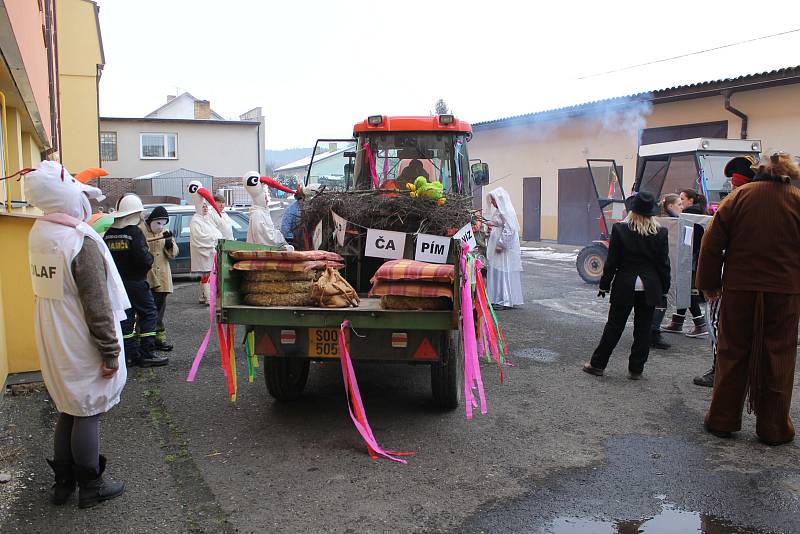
(537, 354)
(670, 521)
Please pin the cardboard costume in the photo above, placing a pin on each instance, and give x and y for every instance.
(68, 351)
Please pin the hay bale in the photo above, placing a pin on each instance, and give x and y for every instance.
(278, 299)
(296, 286)
(392, 302)
(278, 276)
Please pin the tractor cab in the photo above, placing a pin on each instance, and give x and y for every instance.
(691, 164)
(389, 152)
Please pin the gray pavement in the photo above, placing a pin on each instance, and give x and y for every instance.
(559, 450)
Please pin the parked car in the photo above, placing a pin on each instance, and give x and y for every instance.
(180, 217)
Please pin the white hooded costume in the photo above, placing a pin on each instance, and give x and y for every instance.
(261, 228)
(503, 253)
(203, 230)
(71, 362)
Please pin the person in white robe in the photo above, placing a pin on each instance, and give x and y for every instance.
(261, 228)
(504, 257)
(203, 236)
(80, 301)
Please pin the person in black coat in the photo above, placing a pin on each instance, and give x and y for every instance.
(638, 265)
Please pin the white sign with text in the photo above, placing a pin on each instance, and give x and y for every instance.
(385, 244)
(47, 276)
(432, 248)
(466, 236)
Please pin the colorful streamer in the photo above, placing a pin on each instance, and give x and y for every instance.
(354, 403)
(472, 370)
(212, 310)
(371, 159)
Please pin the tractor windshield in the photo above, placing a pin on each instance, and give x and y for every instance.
(716, 184)
(331, 164)
(396, 159)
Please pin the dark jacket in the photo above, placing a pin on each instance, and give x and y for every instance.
(630, 255)
(697, 237)
(131, 254)
(756, 233)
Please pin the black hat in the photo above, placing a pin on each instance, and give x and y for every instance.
(741, 165)
(644, 203)
(159, 212)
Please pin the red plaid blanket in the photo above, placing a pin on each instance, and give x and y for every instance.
(410, 270)
(411, 289)
(295, 255)
(286, 266)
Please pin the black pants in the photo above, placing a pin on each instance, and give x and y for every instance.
(694, 307)
(658, 318)
(77, 440)
(160, 300)
(141, 316)
(617, 317)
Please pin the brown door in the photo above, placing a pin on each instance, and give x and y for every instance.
(532, 208)
(578, 212)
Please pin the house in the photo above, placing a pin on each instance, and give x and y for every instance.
(540, 158)
(49, 111)
(329, 165)
(183, 133)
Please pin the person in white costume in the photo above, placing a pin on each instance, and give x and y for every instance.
(503, 253)
(224, 222)
(261, 228)
(203, 236)
(80, 301)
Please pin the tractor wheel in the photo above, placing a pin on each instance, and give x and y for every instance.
(286, 377)
(591, 261)
(447, 375)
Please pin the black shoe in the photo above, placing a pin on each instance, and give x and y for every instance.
(93, 489)
(153, 361)
(64, 484)
(163, 347)
(131, 363)
(634, 376)
(657, 342)
(587, 368)
(706, 380)
(719, 433)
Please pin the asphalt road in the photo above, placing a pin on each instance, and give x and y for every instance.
(558, 451)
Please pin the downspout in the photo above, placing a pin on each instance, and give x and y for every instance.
(5, 149)
(51, 71)
(728, 107)
(57, 79)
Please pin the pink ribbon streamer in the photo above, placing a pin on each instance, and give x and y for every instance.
(472, 370)
(372, 170)
(212, 312)
(354, 401)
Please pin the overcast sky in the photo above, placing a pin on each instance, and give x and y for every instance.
(317, 67)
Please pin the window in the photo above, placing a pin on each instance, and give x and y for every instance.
(186, 221)
(158, 146)
(108, 146)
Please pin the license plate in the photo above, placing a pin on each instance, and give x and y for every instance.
(323, 342)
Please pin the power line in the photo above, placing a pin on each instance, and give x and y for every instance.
(689, 54)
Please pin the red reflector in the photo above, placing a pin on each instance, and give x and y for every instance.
(425, 351)
(288, 337)
(265, 346)
(399, 340)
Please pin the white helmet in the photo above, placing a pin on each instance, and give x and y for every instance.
(128, 205)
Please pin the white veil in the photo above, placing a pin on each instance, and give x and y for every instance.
(505, 207)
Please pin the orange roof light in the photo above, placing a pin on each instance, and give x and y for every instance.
(435, 123)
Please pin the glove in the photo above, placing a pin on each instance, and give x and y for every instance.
(601, 294)
(167, 234)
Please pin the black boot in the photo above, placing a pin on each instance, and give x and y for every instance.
(161, 342)
(706, 380)
(147, 358)
(131, 345)
(93, 489)
(657, 341)
(64, 484)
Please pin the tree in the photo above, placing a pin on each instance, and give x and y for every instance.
(441, 107)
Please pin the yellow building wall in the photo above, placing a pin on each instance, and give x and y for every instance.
(540, 149)
(79, 54)
(16, 296)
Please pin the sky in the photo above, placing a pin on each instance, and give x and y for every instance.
(318, 67)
